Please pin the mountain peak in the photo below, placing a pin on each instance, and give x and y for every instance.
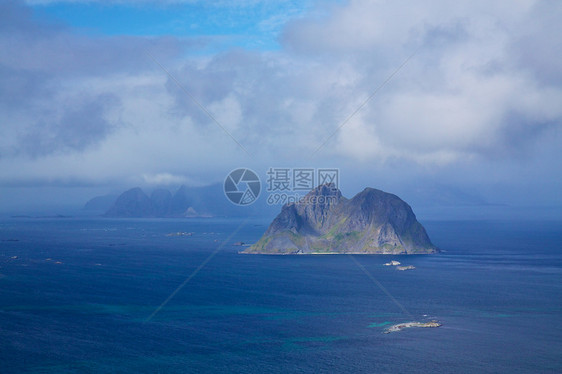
(324, 221)
(131, 203)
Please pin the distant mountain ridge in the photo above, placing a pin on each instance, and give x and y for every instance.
(185, 202)
(207, 201)
(132, 203)
(372, 221)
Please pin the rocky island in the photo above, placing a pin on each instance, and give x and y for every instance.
(325, 222)
(407, 325)
(392, 263)
(403, 268)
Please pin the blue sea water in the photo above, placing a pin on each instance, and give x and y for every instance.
(76, 296)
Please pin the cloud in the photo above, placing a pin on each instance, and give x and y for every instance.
(464, 92)
(60, 91)
(483, 84)
(166, 179)
(79, 127)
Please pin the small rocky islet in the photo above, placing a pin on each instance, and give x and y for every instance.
(402, 268)
(406, 325)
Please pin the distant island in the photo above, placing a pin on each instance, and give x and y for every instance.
(407, 325)
(396, 264)
(403, 268)
(161, 203)
(185, 202)
(325, 222)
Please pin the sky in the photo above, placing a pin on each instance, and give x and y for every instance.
(440, 102)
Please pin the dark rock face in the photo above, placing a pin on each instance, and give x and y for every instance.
(100, 203)
(161, 202)
(131, 203)
(205, 201)
(181, 202)
(324, 221)
(135, 203)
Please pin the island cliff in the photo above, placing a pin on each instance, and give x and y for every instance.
(325, 222)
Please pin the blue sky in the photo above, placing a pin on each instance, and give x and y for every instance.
(469, 111)
(254, 25)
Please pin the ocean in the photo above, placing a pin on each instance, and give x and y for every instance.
(93, 295)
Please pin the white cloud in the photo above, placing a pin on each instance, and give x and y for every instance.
(165, 179)
(476, 88)
(458, 95)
